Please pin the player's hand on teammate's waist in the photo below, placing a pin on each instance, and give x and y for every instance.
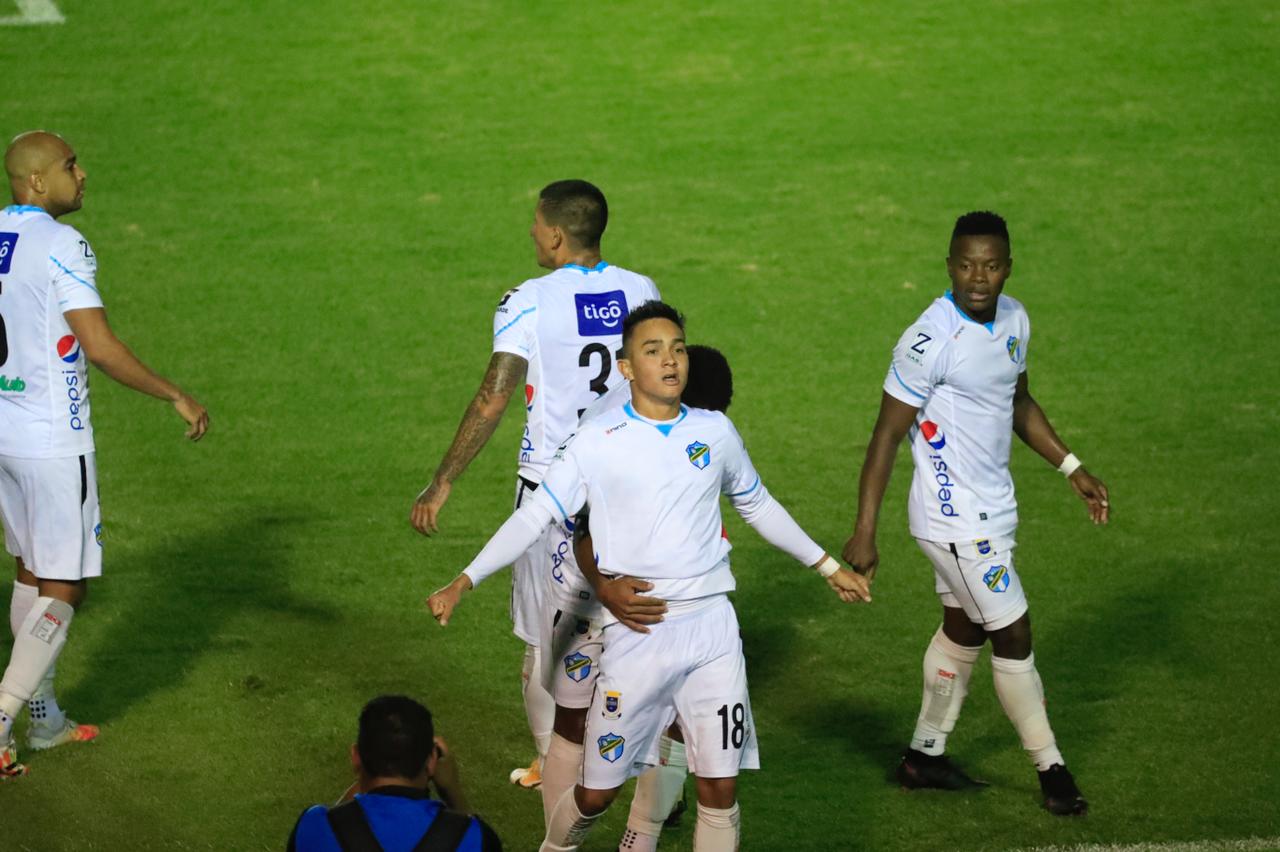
(442, 602)
(621, 596)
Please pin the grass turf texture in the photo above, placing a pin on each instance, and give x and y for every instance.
(306, 216)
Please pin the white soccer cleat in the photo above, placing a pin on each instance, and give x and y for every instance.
(40, 738)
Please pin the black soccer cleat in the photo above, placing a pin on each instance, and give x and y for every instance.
(1061, 795)
(918, 770)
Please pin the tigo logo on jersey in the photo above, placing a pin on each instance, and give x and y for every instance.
(600, 314)
(699, 455)
(613, 705)
(8, 241)
(997, 578)
(68, 348)
(933, 435)
(611, 746)
(577, 666)
(1012, 345)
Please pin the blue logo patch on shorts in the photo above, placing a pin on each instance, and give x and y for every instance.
(600, 314)
(699, 455)
(983, 545)
(997, 578)
(97, 534)
(8, 242)
(577, 666)
(611, 746)
(612, 705)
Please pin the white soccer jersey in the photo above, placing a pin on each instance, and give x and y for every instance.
(568, 324)
(46, 268)
(654, 490)
(961, 374)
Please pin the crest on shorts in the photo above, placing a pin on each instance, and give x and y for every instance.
(1014, 349)
(699, 455)
(577, 666)
(997, 578)
(613, 705)
(611, 746)
(983, 545)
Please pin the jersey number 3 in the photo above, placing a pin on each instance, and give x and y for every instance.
(600, 384)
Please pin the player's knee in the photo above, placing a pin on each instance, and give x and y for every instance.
(592, 802)
(959, 629)
(1014, 641)
(72, 593)
(718, 793)
(571, 723)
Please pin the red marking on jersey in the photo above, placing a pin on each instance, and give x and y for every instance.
(528, 395)
(928, 428)
(724, 532)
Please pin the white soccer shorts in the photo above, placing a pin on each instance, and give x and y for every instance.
(571, 644)
(688, 667)
(51, 515)
(978, 577)
(529, 581)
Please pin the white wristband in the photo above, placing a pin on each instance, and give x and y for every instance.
(1070, 464)
(827, 566)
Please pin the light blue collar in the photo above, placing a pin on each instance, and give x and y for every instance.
(663, 426)
(24, 208)
(599, 267)
(989, 326)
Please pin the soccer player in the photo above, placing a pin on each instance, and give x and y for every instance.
(652, 472)
(558, 335)
(958, 386)
(50, 313)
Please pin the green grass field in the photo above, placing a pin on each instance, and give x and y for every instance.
(305, 212)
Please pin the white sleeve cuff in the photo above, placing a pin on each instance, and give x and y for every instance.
(513, 538)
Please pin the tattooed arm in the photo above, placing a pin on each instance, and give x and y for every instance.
(506, 372)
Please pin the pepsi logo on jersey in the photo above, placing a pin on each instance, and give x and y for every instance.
(69, 351)
(600, 314)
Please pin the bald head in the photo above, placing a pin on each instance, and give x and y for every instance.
(43, 172)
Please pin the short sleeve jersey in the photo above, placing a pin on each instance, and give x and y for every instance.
(46, 269)
(568, 325)
(654, 491)
(961, 374)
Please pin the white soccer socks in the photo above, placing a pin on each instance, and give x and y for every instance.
(1022, 697)
(947, 667)
(567, 826)
(43, 704)
(561, 770)
(539, 706)
(657, 791)
(35, 648)
(24, 597)
(717, 829)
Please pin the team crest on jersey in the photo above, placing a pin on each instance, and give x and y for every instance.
(600, 314)
(983, 545)
(8, 242)
(997, 578)
(613, 705)
(1013, 346)
(933, 435)
(97, 534)
(611, 746)
(699, 455)
(577, 666)
(68, 348)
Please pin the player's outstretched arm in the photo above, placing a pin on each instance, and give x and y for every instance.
(110, 355)
(1032, 425)
(505, 373)
(891, 427)
(620, 595)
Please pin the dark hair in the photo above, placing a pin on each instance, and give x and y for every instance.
(981, 223)
(652, 309)
(578, 207)
(710, 380)
(396, 736)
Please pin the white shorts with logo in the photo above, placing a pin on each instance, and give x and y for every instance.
(690, 667)
(571, 645)
(528, 581)
(978, 577)
(51, 517)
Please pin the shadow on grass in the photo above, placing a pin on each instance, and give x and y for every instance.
(179, 597)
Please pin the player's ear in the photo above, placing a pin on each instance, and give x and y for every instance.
(624, 367)
(355, 758)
